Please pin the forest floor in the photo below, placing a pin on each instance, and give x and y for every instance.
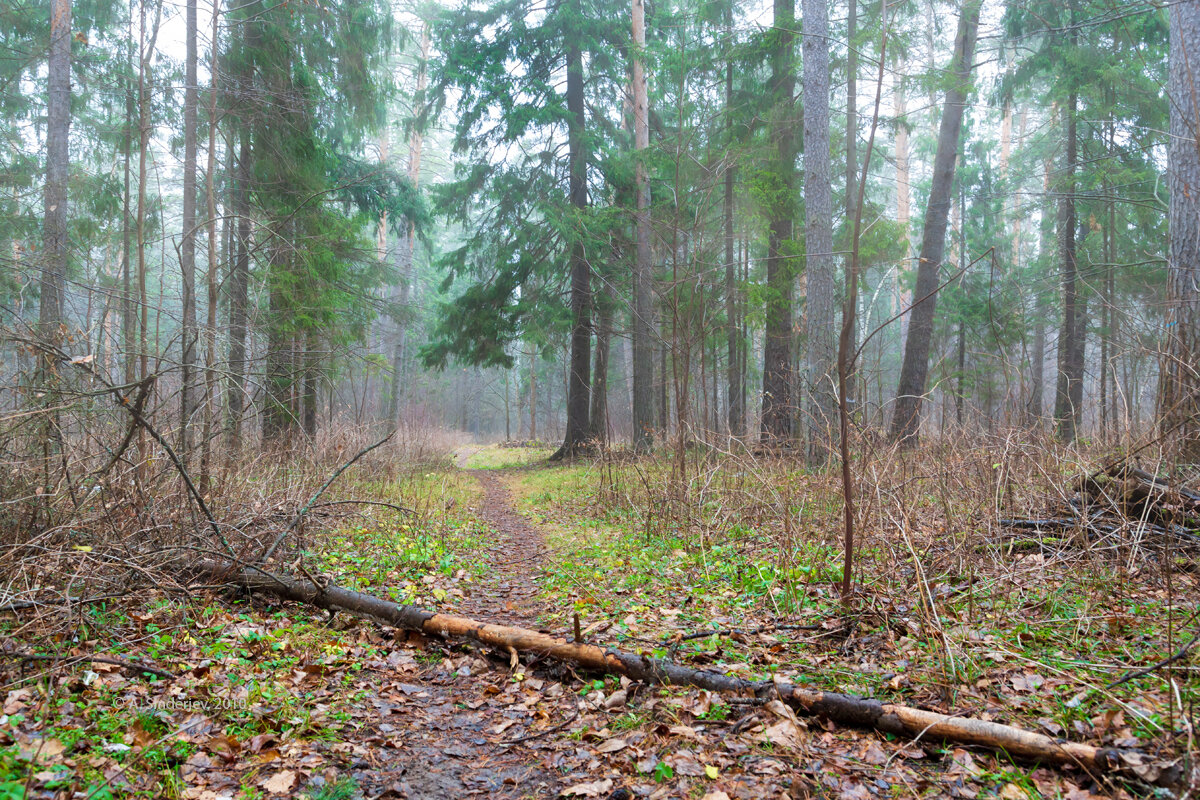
(279, 700)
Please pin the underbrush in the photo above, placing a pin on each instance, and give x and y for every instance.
(111, 577)
(735, 561)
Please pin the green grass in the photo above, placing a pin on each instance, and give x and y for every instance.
(494, 456)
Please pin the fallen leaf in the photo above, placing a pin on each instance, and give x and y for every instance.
(15, 701)
(612, 746)
(280, 782)
(711, 771)
(872, 753)
(784, 733)
(1013, 792)
(616, 699)
(592, 789)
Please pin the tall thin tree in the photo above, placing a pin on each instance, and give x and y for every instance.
(1068, 399)
(54, 226)
(187, 249)
(777, 405)
(818, 228)
(643, 307)
(906, 418)
(579, 377)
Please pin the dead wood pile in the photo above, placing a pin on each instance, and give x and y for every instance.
(1121, 499)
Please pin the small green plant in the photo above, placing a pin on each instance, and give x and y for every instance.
(342, 789)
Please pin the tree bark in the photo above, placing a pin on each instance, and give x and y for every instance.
(643, 305)
(210, 328)
(777, 405)
(598, 422)
(54, 224)
(128, 321)
(187, 248)
(1180, 382)
(416, 143)
(820, 317)
(579, 377)
(906, 418)
(903, 203)
(1068, 404)
(239, 296)
(736, 418)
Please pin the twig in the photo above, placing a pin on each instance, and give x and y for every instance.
(69, 660)
(270, 551)
(677, 638)
(540, 734)
(1180, 653)
(392, 506)
(18, 605)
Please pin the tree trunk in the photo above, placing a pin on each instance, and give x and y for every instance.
(1068, 403)
(239, 296)
(54, 226)
(820, 317)
(851, 180)
(906, 419)
(737, 410)
(1180, 390)
(903, 203)
(128, 320)
(579, 378)
(277, 403)
(777, 353)
(146, 50)
(187, 248)
(598, 423)
(643, 306)
(415, 145)
(1037, 381)
(308, 400)
(210, 328)
(533, 395)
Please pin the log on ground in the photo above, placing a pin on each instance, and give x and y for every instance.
(843, 709)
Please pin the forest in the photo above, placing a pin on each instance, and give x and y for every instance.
(558, 398)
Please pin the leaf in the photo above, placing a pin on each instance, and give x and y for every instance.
(612, 746)
(592, 789)
(711, 771)
(83, 548)
(873, 754)
(784, 733)
(280, 782)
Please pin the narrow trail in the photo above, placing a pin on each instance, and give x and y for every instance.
(514, 560)
(454, 737)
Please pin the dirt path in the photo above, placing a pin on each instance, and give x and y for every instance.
(464, 728)
(514, 560)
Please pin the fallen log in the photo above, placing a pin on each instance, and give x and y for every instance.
(843, 709)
